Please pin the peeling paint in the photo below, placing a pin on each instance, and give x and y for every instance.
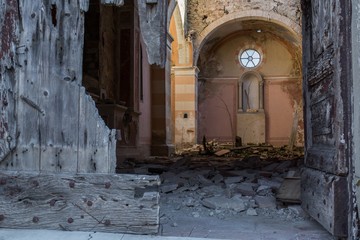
(202, 13)
(8, 19)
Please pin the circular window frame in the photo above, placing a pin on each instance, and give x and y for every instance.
(250, 56)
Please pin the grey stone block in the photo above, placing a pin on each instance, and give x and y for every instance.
(265, 201)
(231, 180)
(251, 212)
(246, 189)
(165, 188)
(235, 203)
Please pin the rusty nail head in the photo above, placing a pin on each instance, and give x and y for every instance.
(35, 183)
(89, 203)
(52, 202)
(107, 222)
(71, 184)
(2, 181)
(107, 185)
(70, 220)
(35, 219)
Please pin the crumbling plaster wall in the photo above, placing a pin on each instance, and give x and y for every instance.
(202, 13)
(206, 23)
(280, 71)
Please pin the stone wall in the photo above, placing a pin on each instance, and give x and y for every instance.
(202, 13)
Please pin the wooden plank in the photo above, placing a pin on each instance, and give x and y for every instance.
(222, 152)
(60, 76)
(49, 96)
(289, 191)
(97, 144)
(29, 108)
(325, 198)
(86, 202)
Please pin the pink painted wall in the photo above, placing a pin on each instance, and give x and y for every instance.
(279, 112)
(220, 71)
(217, 109)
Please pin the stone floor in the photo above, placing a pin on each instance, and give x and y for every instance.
(208, 197)
(229, 198)
(244, 228)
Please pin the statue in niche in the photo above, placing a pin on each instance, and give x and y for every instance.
(250, 94)
(250, 97)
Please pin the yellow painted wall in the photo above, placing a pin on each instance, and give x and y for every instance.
(184, 85)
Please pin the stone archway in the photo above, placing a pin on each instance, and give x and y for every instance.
(285, 23)
(277, 38)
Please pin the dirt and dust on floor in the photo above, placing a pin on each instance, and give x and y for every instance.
(212, 190)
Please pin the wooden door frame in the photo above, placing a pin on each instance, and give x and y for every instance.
(327, 189)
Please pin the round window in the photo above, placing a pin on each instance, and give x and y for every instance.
(250, 58)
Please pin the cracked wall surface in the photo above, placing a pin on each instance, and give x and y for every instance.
(202, 13)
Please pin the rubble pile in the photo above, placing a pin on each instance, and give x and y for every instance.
(207, 191)
(246, 181)
(264, 151)
(221, 156)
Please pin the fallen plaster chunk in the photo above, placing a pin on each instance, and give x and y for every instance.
(218, 178)
(264, 190)
(189, 202)
(267, 182)
(211, 191)
(245, 188)
(251, 212)
(290, 190)
(265, 201)
(235, 203)
(195, 214)
(165, 188)
(204, 181)
(297, 211)
(231, 180)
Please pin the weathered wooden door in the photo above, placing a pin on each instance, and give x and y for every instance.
(327, 84)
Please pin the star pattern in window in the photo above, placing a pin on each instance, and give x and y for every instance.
(250, 58)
